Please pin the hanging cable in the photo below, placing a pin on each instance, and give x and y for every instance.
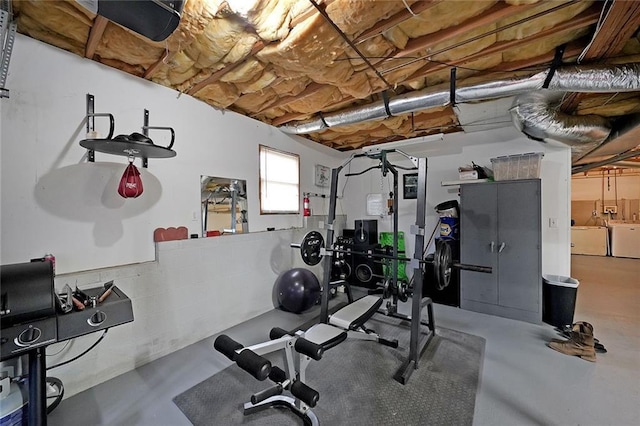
(606, 7)
(326, 16)
(409, 8)
(63, 348)
(104, 333)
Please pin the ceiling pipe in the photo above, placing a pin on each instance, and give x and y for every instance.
(612, 160)
(578, 78)
(626, 164)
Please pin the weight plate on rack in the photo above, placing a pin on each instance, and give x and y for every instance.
(311, 247)
(442, 264)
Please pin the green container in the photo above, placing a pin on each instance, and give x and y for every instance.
(386, 239)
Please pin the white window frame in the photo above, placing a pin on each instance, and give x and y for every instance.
(274, 181)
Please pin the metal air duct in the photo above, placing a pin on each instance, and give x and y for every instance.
(537, 118)
(536, 115)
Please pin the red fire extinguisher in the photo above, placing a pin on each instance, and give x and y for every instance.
(306, 210)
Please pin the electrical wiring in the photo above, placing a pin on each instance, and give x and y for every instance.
(427, 59)
(61, 350)
(104, 333)
(603, 17)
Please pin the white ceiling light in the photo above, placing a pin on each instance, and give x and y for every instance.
(241, 7)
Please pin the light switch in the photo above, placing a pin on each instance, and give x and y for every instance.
(553, 222)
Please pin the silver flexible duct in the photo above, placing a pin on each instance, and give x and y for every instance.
(536, 116)
(602, 79)
(540, 121)
(359, 114)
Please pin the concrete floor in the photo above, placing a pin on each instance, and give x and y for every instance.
(523, 381)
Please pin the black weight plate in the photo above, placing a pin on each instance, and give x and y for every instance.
(442, 265)
(310, 248)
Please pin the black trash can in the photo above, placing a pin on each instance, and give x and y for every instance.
(558, 299)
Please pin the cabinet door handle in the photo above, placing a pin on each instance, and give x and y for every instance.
(502, 245)
(493, 245)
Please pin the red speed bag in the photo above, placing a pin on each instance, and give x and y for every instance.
(130, 184)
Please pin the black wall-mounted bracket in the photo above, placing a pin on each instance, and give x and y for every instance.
(130, 146)
(91, 128)
(145, 131)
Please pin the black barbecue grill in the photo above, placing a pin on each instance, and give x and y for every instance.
(27, 307)
(30, 321)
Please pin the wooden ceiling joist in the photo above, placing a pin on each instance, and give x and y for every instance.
(155, 67)
(258, 46)
(311, 89)
(495, 13)
(620, 24)
(382, 26)
(572, 50)
(99, 25)
(588, 17)
(308, 13)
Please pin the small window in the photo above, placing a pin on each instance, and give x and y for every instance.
(279, 181)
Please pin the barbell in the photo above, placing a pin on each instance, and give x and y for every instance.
(312, 246)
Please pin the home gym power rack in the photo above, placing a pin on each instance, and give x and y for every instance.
(313, 251)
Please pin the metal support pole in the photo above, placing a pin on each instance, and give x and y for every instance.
(416, 302)
(395, 225)
(415, 349)
(327, 259)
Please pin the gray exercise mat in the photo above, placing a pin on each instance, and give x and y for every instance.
(356, 386)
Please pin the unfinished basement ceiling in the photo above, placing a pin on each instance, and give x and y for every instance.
(284, 62)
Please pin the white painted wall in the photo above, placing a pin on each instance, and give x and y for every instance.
(460, 149)
(54, 201)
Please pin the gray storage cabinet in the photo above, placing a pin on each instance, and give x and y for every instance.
(500, 226)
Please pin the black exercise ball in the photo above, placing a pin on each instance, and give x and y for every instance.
(297, 289)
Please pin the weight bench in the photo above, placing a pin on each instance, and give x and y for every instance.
(299, 349)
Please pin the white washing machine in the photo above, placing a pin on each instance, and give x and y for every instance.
(625, 240)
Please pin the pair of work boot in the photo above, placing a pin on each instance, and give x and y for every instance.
(580, 343)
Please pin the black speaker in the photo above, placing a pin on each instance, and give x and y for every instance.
(366, 271)
(366, 232)
(341, 265)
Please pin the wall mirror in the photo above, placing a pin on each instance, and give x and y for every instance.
(224, 206)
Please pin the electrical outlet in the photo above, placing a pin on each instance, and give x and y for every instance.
(594, 213)
(611, 209)
(553, 222)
